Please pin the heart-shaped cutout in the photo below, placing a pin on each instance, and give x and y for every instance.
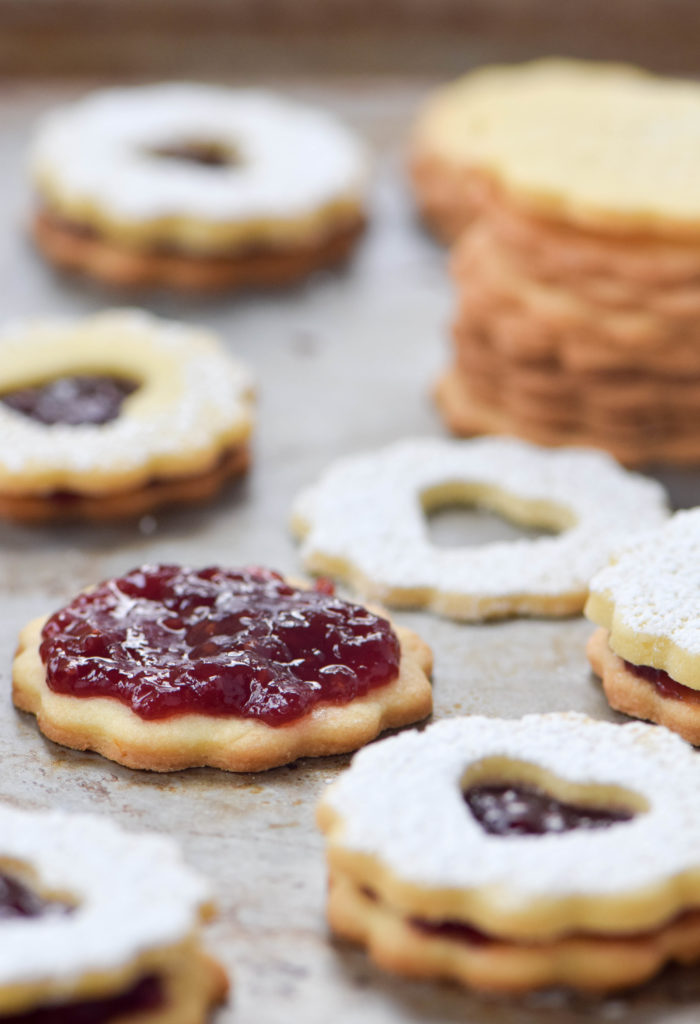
(519, 799)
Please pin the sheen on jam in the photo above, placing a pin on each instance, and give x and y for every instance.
(664, 683)
(167, 640)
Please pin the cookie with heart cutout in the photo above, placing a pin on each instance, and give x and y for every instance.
(116, 415)
(169, 667)
(647, 647)
(509, 856)
(364, 522)
(99, 925)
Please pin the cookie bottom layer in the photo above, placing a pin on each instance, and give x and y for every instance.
(235, 744)
(447, 195)
(183, 995)
(594, 963)
(629, 693)
(465, 416)
(73, 247)
(189, 489)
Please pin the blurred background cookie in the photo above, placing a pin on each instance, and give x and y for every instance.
(573, 188)
(115, 415)
(100, 925)
(196, 187)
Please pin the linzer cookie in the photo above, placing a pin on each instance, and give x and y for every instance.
(98, 925)
(516, 855)
(364, 522)
(647, 649)
(580, 258)
(196, 187)
(169, 667)
(116, 415)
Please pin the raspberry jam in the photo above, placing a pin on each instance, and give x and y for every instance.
(460, 931)
(202, 153)
(663, 682)
(168, 640)
(146, 995)
(18, 900)
(72, 401)
(520, 810)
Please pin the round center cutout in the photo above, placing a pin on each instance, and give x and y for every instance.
(202, 152)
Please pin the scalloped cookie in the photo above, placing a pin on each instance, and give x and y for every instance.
(116, 415)
(647, 649)
(169, 667)
(363, 522)
(196, 187)
(516, 855)
(603, 146)
(100, 925)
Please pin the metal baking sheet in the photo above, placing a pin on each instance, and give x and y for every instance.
(344, 364)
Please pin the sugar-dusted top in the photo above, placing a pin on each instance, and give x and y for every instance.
(401, 803)
(288, 159)
(364, 517)
(192, 400)
(649, 599)
(134, 893)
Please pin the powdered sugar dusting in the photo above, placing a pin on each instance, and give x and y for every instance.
(365, 512)
(292, 159)
(654, 583)
(401, 802)
(206, 399)
(134, 894)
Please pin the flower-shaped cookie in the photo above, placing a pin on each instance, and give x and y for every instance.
(169, 667)
(647, 605)
(99, 925)
(364, 522)
(514, 855)
(116, 415)
(196, 187)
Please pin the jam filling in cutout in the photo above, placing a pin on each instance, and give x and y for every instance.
(198, 151)
(514, 809)
(167, 640)
(18, 900)
(145, 996)
(72, 401)
(663, 682)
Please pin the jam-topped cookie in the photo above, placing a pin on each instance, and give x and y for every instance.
(516, 855)
(647, 649)
(116, 415)
(196, 187)
(98, 926)
(364, 521)
(169, 667)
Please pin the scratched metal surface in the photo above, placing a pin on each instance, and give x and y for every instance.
(344, 364)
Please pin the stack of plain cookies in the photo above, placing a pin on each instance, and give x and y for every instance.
(574, 195)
